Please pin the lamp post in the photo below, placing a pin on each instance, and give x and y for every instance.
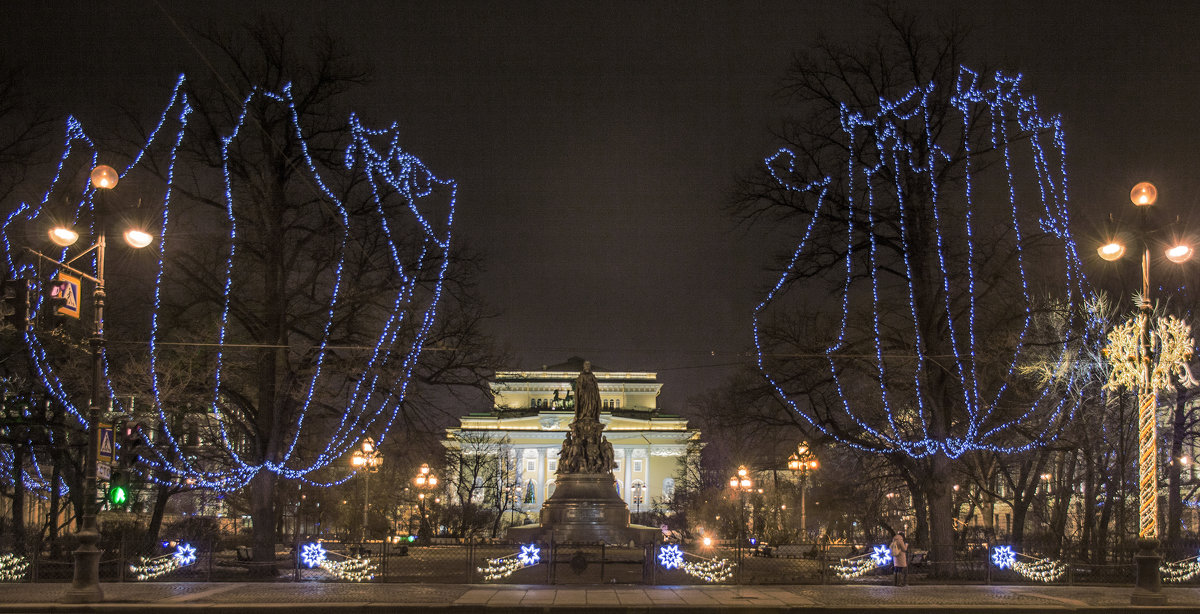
(425, 480)
(741, 484)
(366, 461)
(801, 462)
(85, 585)
(1148, 588)
(637, 491)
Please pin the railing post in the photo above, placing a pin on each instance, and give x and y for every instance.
(121, 558)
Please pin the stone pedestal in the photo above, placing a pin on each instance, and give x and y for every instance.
(585, 508)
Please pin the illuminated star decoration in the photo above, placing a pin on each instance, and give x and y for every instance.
(670, 557)
(408, 211)
(185, 554)
(881, 555)
(312, 554)
(875, 221)
(1003, 557)
(530, 555)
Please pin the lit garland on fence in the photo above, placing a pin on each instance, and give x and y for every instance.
(356, 569)
(149, 568)
(505, 566)
(856, 566)
(1181, 571)
(12, 567)
(710, 570)
(879, 271)
(670, 556)
(1042, 570)
(409, 209)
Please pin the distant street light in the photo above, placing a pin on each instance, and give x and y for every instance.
(800, 463)
(425, 480)
(366, 461)
(741, 484)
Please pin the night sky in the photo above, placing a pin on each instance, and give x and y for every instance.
(596, 143)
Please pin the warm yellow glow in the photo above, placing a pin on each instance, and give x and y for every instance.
(63, 236)
(1046, 476)
(746, 483)
(1183, 460)
(424, 469)
(432, 481)
(742, 471)
(1143, 194)
(358, 460)
(368, 445)
(138, 238)
(812, 464)
(1111, 251)
(707, 541)
(802, 449)
(104, 176)
(794, 462)
(733, 482)
(420, 480)
(1179, 253)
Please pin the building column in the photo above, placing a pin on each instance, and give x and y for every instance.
(628, 462)
(540, 485)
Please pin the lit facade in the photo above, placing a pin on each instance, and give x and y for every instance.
(531, 415)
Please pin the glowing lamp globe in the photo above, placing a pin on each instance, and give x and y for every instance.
(63, 236)
(104, 176)
(1179, 253)
(1143, 194)
(138, 238)
(1111, 251)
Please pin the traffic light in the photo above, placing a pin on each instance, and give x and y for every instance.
(131, 444)
(118, 491)
(15, 306)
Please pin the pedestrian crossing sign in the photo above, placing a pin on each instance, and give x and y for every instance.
(67, 293)
(104, 451)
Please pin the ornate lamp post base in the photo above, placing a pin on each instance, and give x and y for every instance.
(1148, 588)
(85, 587)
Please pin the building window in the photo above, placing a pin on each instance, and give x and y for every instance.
(553, 465)
(612, 403)
(549, 488)
(637, 465)
(668, 488)
(531, 464)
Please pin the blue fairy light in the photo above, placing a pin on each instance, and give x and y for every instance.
(670, 556)
(1003, 557)
(881, 555)
(312, 554)
(530, 555)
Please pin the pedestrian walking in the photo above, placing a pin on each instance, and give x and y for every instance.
(899, 549)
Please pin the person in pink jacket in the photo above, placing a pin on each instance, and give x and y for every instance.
(899, 549)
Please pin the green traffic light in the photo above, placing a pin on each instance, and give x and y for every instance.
(117, 495)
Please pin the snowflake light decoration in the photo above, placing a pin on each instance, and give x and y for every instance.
(881, 555)
(670, 557)
(1170, 349)
(312, 554)
(1003, 557)
(185, 554)
(530, 555)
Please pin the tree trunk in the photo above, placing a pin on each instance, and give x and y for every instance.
(18, 499)
(162, 494)
(262, 513)
(940, 495)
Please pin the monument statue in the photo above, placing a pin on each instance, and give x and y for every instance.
(585, 506)
(585, 449)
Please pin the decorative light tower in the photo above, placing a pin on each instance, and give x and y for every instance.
(800, 463)
(366, 461)
(425, 480)
(85, 586)
(741, 484)
(1132, 354)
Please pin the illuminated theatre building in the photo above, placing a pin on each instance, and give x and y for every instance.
(530, 419)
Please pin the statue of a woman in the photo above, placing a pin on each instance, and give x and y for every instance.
(587, 395)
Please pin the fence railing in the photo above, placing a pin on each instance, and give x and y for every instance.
(501, 562)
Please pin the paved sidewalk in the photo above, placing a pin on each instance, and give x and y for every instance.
(411, 598)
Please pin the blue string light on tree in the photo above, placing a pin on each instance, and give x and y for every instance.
(928, 245)
(396, 203)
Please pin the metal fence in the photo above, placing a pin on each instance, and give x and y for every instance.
(496, 562)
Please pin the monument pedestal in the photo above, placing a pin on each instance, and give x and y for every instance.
(585, 508)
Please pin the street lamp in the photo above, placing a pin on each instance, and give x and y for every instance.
(741, 484)
(425, 480)
(1148, 589)
(366, 461)
(85, 586)
(637, 490)
(801, 462)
